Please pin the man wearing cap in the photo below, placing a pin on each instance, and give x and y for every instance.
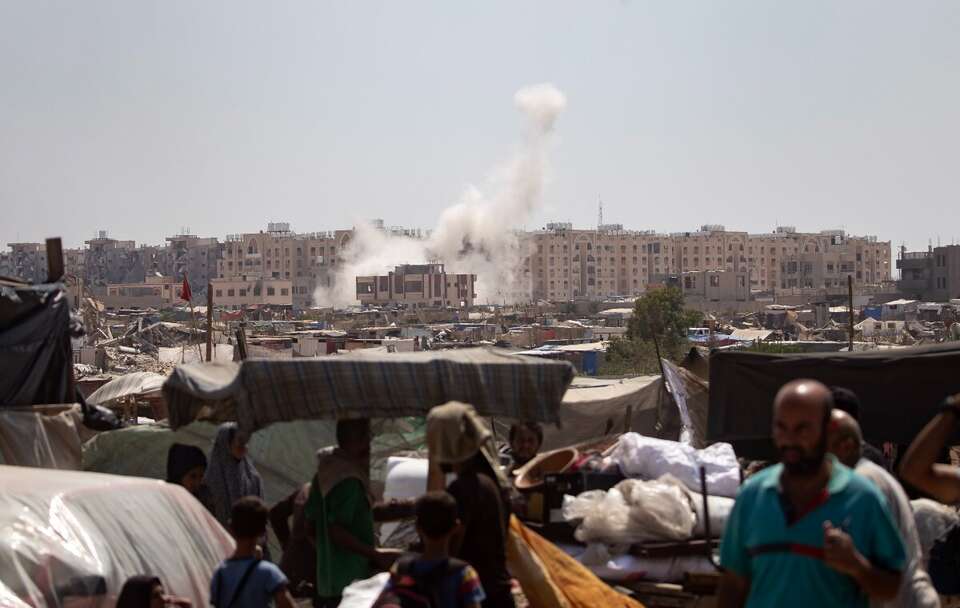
(808, 531)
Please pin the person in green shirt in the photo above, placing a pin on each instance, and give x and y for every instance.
(340, 513)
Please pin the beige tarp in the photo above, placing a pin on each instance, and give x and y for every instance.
(32, 438)
(593, 408)
(132, 384)
(64, 534)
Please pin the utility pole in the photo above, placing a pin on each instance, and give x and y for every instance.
(850, 306)
(209, 321)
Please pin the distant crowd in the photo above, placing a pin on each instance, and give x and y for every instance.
(829, 525)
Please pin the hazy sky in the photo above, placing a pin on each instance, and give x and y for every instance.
(146, 117)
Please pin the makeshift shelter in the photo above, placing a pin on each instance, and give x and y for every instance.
(47, 437)
(596, 408)
(257, 393)
(900, 390)
(36, 355)
(135, 384)
(67, 536)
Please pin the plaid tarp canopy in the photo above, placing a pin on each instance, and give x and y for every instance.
(256, 393)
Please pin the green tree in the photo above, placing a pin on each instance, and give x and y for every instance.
(660, 314)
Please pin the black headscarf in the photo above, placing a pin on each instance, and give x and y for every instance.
(137, 592)
(181, 459)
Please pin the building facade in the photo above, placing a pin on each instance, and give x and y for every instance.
(564, 263)
(715, 286)
(155, 292)
(308, 260)
(418, 286)
(932, 275)
(239, 293)
(194, 257)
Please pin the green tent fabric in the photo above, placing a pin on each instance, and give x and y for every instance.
(899, 389)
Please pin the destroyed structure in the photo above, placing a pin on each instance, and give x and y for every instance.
(418, 286)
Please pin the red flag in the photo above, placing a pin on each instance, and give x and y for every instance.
(185, 293)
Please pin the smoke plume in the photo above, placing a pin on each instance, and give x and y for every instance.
(476, 235)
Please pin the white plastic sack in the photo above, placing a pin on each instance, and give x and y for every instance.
(649, 458)
(933, 520)
(633, 511)
(62, 529)
(406, 478)
(362, 594)
(719, 507)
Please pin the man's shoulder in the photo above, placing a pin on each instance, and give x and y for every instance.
(865, 484)
(765, 479)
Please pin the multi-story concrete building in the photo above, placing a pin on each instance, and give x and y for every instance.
(932, 275)
(252, 291)
(715, 286)
(308, 260)
(565, 263)
(154, 292)
(26, 261)
(418, 286)
(193, 256)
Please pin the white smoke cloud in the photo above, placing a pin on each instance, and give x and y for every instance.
(476, 234)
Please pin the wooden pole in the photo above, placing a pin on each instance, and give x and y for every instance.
(242, 342)
(55, 269)
(209, 321)
(850, 305)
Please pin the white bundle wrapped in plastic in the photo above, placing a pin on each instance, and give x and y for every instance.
(649, 458)
(933, 520)
(633, 511)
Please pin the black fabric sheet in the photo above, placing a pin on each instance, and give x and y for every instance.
(35, 352)
(899, 390)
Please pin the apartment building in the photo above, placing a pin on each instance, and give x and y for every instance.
(307, 260)
(564, 263)
(191, 256)
(418, 286)
(932, 275)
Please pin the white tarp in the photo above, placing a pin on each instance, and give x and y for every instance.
(37, 439)
(191, 354)
(63, 530)
(135, 383)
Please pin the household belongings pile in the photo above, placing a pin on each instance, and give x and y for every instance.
(659, 502)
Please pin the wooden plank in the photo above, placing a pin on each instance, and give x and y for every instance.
(55, 269)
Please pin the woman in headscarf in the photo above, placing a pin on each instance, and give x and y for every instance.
(186, 466)
(230, 475)
(459, 442)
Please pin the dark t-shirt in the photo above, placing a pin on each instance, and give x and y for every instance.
(484, 538)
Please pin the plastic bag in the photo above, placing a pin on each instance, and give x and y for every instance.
(649, 458)
(633, 511)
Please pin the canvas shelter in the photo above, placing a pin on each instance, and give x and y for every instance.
(900, 390)
(257, 393)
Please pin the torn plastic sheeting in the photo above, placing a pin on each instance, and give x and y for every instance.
(61, 531)
(35, 439)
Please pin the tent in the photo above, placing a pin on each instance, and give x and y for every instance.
(67, 536)
(257, 393)
(900, 390)
(133, 384)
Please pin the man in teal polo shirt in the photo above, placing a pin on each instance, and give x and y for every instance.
(808, 531)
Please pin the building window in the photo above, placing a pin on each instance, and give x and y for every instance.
(219, 293)
(230, 293)
(714, 281)
(271, 291)
(284, 291)
(243, 293)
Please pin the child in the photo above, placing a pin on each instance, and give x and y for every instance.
(244, 580)
(434, 579)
